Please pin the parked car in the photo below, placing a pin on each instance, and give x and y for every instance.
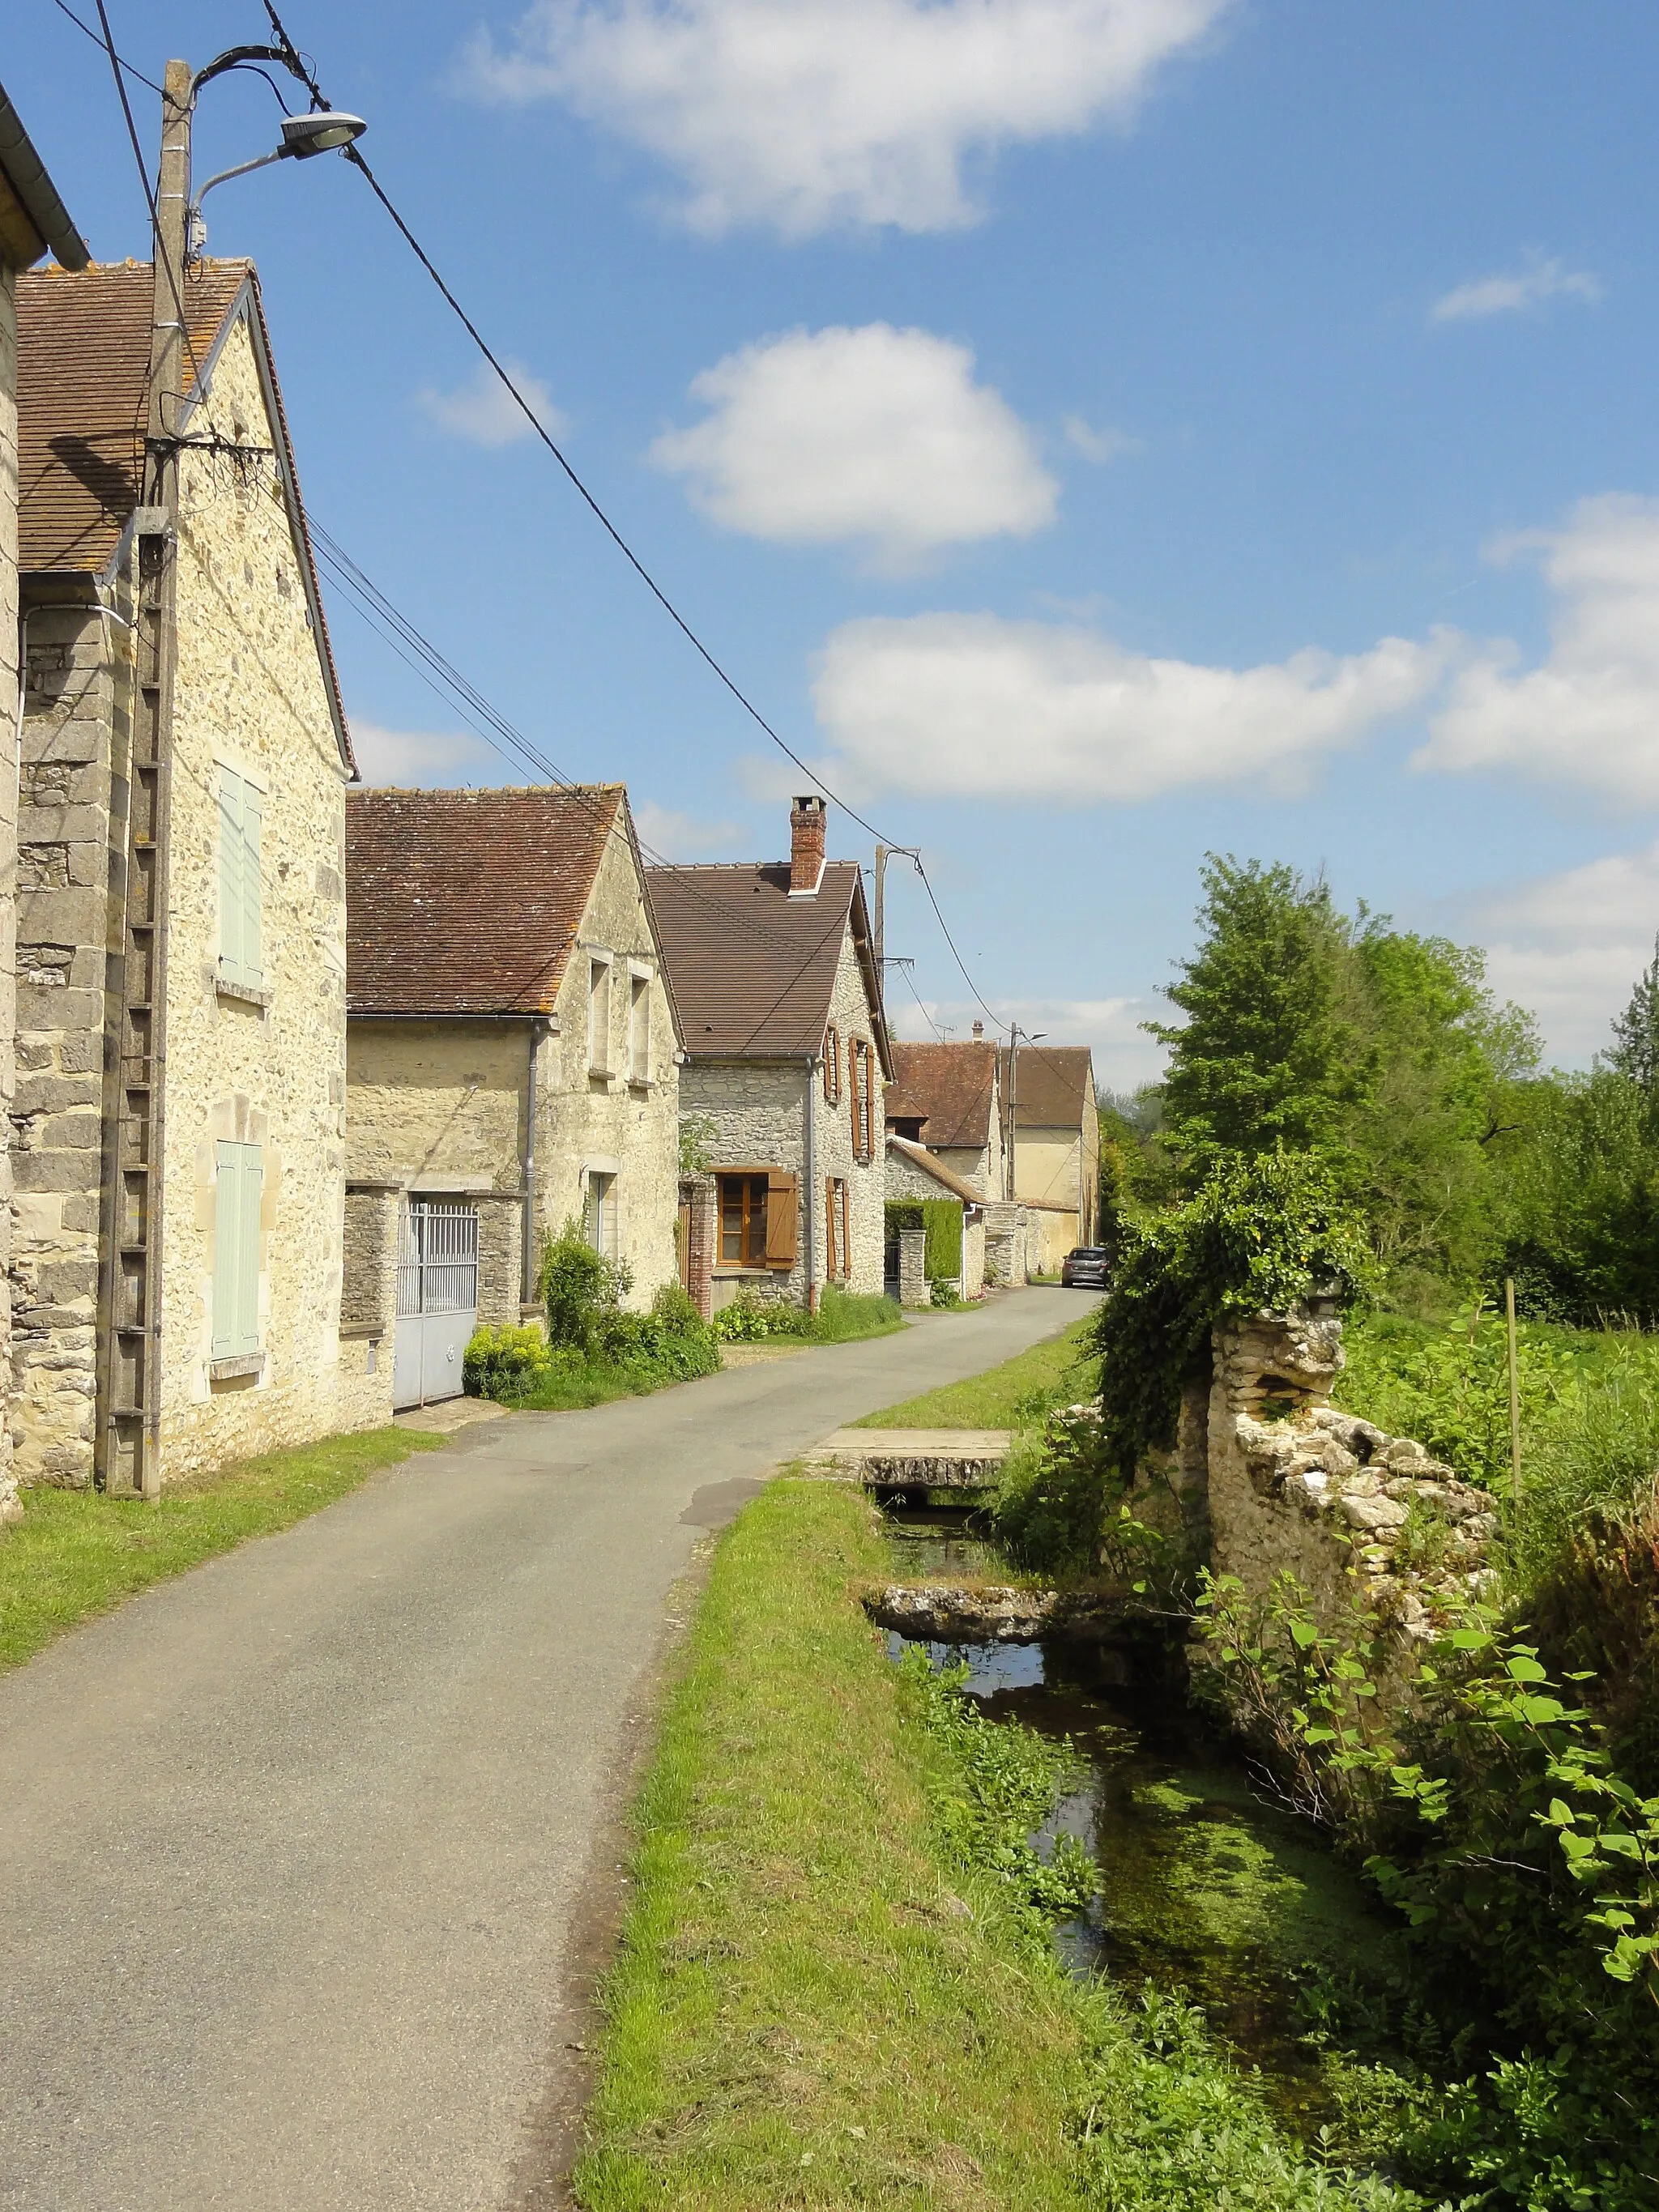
(1085, 1268)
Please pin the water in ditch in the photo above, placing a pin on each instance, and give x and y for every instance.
(1204, 1888)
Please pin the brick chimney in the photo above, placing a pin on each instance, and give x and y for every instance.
(806, 826)
(979, 1032)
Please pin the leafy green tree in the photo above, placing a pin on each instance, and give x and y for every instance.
(1635, 1053)
(1269, 1053)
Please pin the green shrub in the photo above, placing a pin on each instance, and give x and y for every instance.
(581, 1290)
(942, 1219)
(503, 1364)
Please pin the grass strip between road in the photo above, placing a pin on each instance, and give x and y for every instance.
(835, 1988)
(1013, 1395)
(77, 1553)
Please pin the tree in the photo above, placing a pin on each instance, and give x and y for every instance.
(1268, 1055)
(1635, 1053)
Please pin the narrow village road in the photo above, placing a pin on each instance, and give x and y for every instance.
(295, 1851)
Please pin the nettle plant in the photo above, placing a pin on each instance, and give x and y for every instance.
(1519, 1844)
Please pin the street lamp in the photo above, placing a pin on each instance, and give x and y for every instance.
(303, 136)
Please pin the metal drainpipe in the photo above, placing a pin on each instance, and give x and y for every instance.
(814, 1069)
(528, 1287)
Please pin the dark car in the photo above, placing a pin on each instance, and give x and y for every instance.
(1086, 1268)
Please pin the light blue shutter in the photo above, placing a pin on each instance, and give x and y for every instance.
(253, 814)
(230, 878)
(239, 1190)
(252, 1194)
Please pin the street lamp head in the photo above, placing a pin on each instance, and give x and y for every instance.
(320, 132)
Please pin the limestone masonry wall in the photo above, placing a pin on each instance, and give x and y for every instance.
(8, 1506)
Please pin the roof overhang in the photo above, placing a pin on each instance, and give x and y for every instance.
(34, 220)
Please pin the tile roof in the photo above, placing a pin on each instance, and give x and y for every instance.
(1056, 1081)
(919, 1155)
(83, 377)
(32, 218)
(754, 969)
(948, 1087)
(469, 901)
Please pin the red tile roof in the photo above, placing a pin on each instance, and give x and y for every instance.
(753, 968)
(1056, 1082)
(948, 1087)
(469, 901)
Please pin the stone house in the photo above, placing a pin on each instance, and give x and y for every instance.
(178, 1141)
(913, 1171)
(787, 1061)
(33, 222)
(949, 1097)
(514, 1048)
(1053, 1137)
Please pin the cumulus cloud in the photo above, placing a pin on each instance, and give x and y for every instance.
(1510, 294)
(808, 115)
(874, 435)
(984, 707)
(681, 837)
(426, 759)
(1589, 713)
(1571, 946)
(1097, 445)
(484, 412)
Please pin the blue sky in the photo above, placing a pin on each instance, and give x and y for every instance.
(1094, 431)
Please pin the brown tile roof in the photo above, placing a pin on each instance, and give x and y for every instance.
(83, 378)
(1055, 1082)
(469, 901)
(753, 969)
(919, 1155)
(948, 1087)
(83, 342)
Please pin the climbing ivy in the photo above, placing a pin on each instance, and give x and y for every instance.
(1260, 1234)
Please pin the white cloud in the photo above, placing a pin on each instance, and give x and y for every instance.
(982, 707)
(1125, 1057)
(1510, 294)
(424, 759)
(1571, 946)
(484, 412)
(681, 837)
(1589, 714)
(874, 435)
(1097, 445)
(806, 115)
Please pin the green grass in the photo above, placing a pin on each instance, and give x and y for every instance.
(835, 1987)
(568, 1382)
(843, 1318)
(77, 1552)
(1013, 1395)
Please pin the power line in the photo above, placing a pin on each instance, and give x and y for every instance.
(87, 31)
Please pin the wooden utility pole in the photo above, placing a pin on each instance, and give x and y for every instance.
(881, 912)
(130, 1434)
(1515, 1389)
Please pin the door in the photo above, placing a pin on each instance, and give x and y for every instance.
(437, 1298)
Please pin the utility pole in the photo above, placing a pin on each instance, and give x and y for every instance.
(130, 1435)
(1013, 1109)
(881, 904)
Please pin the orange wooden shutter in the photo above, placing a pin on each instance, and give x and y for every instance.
(781, 1200)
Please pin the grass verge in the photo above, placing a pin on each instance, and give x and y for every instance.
(77, 1552)
(843, 1318)
(836, 1987)
(1011, 1396)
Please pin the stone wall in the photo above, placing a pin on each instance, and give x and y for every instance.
(9, 1505)
(866, 1180)
(77, 734)
(1007, 1229)
(699, 1226)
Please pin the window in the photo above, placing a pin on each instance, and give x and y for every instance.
(639, 1028)
(743, 1220)
(837, 1242)
(241, 815)
(599, 1017)
(238, 1191)
(758, 1218)
(860, 1083)
(602, 1230)
(832, 1065)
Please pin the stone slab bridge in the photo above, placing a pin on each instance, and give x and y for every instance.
(886, 1460)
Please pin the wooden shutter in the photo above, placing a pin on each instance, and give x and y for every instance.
(846, 1231)
(830, 1223)
(781, 1202)
(230, 878)
(253, 816)
(239, 1190)
(852, 1088)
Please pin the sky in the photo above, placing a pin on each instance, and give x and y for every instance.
(1094, 433)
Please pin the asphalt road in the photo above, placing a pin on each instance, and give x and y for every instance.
(297, 1850)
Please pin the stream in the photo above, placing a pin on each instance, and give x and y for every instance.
(1204, 1888)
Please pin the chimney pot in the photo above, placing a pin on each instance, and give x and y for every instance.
(979, 1029)
(807, 837)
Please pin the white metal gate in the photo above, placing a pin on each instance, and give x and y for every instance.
(437, 1297)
